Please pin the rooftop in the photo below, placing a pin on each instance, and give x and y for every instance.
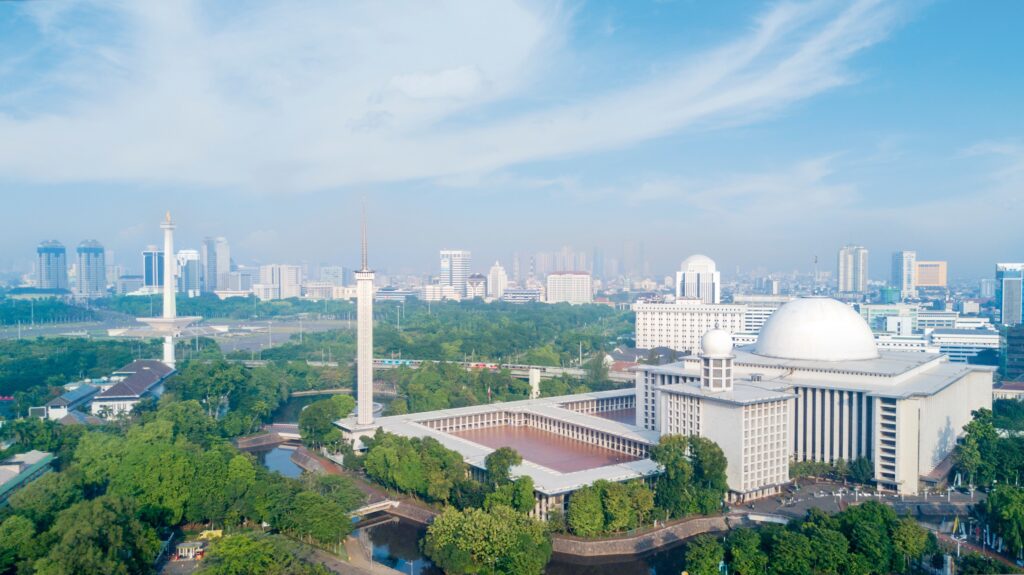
(139, 376)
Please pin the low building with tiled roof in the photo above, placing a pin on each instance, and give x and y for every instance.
(129, 385)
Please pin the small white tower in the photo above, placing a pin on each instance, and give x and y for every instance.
(716, 360)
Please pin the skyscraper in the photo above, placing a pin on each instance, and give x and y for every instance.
(455, 269)
(853, 269)
(1009, 291)
(52, 272)
(152, 267)
(92, 270)
(216, 263)
(497, 281)
(904, 273)
(189, 272)
(698, 278)
(287, 279)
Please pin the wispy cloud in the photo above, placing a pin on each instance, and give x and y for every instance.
(308, 96)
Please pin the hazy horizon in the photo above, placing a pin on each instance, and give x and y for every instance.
(760, 138)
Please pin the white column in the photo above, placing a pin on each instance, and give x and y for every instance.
(864, 423)
(857, 424)
(835, 425)
(820, 422)
(799, 407)
(844, 446)
(364, 344)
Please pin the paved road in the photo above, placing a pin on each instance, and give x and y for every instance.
(833, 497)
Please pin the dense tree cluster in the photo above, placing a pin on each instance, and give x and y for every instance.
(422, 467)
(859, 470)
(211, 306)
(865, 539)
(240, 398)
(316, 422)
(606, 507)
(124, 488)
(1008, 414)
(32, 369)
(499, 540)
(15, 311)
(252, 554)
(694, 479)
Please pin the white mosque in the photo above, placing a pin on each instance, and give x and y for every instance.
(815, 387)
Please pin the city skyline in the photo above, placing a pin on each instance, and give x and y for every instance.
(804, 125)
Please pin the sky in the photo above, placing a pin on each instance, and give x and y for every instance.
(761, 135)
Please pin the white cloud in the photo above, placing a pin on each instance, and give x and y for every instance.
(306, 96)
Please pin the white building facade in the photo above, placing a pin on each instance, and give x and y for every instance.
(853, 269)
(901, 410)
(680, 325)
(570, 287)
(497, 281)
(287, 278)
(455, 269)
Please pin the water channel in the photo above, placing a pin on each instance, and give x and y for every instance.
(397, 544)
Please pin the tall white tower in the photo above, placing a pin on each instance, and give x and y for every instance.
(364, 341)
(169, 324)
(716, 360)
(698, 278)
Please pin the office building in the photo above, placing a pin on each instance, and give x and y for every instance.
(902, 411)
(497, 281)
(265, 292)
(216, 263)
(964, 345)
(987, 288)
(91, 278)
(438, 292)
(455, 269)
(681, 324)
(476, 286)
(853, 269)
(570, 287)
(904, 273)
(334, 275)
(52, 266)
(1013, 353)
(189, 272)
(128, 284)
(153, 267)
(698, 278)
(240, 280)
(931, 274)
(758, 309)
(522, 295)
(1009, 293)
(128, 386)
(877, 316)
(286, 278)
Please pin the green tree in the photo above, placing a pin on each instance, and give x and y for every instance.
(499, 464)
(830, 547)
(909, 541)
(41, 500)
(791, 553)
(16, 541)
(585, 515)
(99, 536)
(316, 423)
(703, 555)
(674, 489)
(501, 541)
(745, 555)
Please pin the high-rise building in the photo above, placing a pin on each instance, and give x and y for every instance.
(92, 270)
(904, 272)
(334, 275)
(216, 263)
(698, 278)
(189, 272)
(987, 288)
(931, 274)
(287, 279)
(1013, 354)
(455, 269)
(570, 287)
(153, 267)
(598, 264)
(853, 269)
(476, 286)
(1009, 302)
(52, 271)
(497, 281)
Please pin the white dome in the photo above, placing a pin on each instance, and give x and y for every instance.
(698, 263)
(716, 343)
(816, 328)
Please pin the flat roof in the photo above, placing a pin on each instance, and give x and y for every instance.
(556, 452)
(545, 479)
(743, 392)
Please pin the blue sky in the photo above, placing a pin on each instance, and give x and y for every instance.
(759, 134)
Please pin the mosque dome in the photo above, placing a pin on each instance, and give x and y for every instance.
(816, 329)
(716, 343)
